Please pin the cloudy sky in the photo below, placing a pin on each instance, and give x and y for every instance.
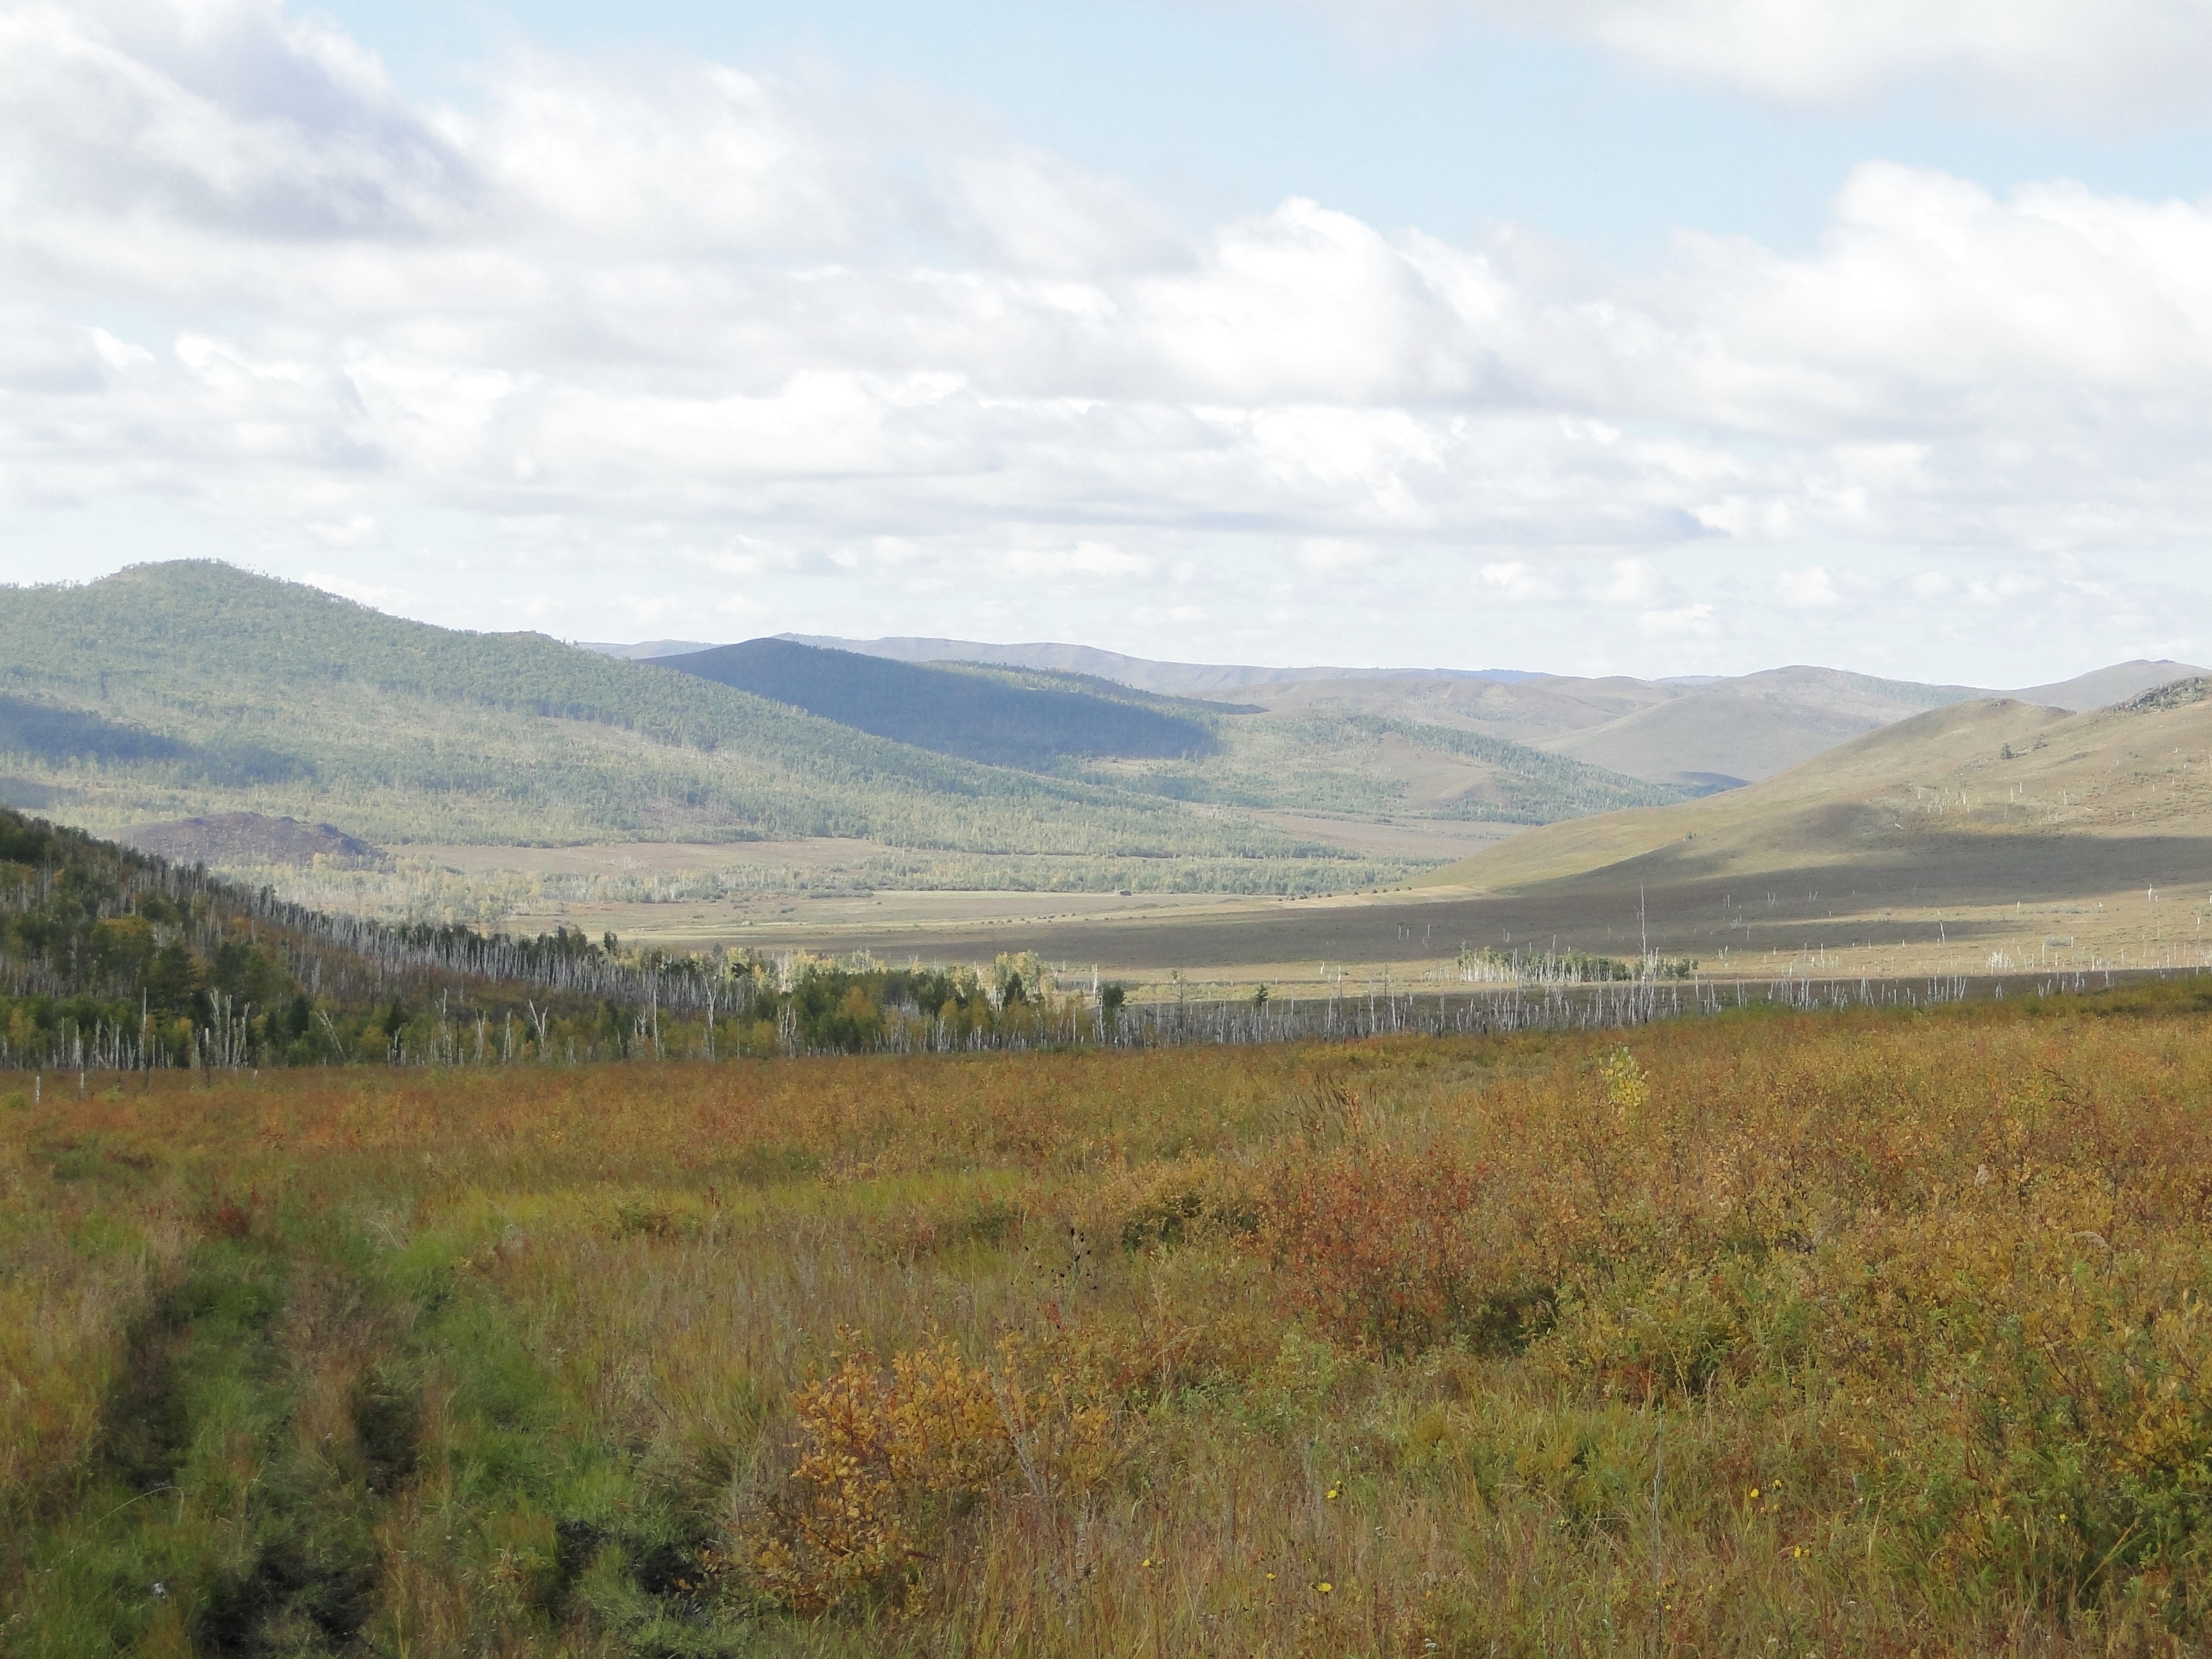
(1648, 336)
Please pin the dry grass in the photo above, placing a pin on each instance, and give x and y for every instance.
(1773, 1334)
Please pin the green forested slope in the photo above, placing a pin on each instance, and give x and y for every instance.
(195, 687)
(173, 690)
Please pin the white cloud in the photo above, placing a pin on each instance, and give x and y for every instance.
(1515, 580)
(2065, 57)
(1084, 559)
(1691, 621)
(1807, 589)
(657, 309)
(1326, 554)
(1635, 582)
(356, 530)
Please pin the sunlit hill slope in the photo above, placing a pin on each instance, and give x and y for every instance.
(2068, 838)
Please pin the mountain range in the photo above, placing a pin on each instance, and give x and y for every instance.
(184, 691)
(1700, 733)
(195, 691)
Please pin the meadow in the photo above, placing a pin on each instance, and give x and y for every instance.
(1771, 1333)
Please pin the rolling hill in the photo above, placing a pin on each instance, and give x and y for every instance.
(1697, 734)
(195, 691)
(1703, 735)
(1997, 774)
(2043, 835)
(1992, 836)
(186, 688)
(1736, 730)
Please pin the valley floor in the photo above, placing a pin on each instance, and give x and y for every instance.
(2001, 917)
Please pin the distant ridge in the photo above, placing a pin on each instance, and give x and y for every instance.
(646, 650)
(2102, 688)
(978, 716)
(1698, 733)
(1998, 786)
(1142, 673)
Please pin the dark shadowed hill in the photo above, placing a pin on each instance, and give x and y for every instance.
(974, 715)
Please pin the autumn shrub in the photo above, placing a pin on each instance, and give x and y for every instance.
(2032, 1406)
(890, 1456)
(1387, 1248)
(1646, 1335)
(966, 1219)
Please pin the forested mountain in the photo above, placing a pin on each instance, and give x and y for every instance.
(175, 688)
(970, 713)
(195, 690)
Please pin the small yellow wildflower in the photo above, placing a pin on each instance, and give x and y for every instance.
(1324, 1587)
(1333, 1493)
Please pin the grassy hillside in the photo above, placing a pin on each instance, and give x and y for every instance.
(2002, 776)
(1990, 836)
(1365, 766)
(1778, 1334)
(976, 715)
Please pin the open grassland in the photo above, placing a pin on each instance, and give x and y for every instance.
(1763, 1335)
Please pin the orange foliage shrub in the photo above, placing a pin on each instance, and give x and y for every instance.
(888, 1455)
(1378, 1246)
(875, 1448)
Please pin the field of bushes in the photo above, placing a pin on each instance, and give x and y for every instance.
(1768, 1333)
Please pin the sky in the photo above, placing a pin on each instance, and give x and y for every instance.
(1656, 336)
